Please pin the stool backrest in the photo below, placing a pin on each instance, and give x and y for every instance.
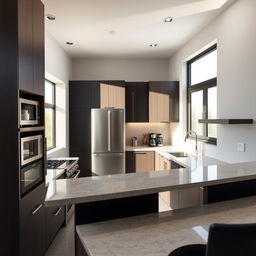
(231, 240)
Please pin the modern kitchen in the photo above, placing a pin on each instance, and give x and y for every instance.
(128, 127)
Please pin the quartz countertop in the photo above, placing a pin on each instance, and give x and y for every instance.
(72, 191)
(192, 161)
(53, 174)
(159, 234)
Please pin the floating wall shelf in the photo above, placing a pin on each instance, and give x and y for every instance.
(225, 121)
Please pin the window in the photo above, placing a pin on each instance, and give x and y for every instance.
(202, 94)
(50, 114)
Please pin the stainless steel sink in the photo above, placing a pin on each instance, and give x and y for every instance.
(179, 154)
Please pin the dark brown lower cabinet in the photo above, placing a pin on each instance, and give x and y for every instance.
(55, 217)
(32, 223)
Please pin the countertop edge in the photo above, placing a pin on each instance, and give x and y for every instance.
(145, 191)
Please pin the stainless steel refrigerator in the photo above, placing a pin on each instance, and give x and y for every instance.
(108, 141)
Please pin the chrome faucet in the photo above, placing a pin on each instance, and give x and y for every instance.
(186, 137)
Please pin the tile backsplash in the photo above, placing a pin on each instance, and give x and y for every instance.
(138, 129)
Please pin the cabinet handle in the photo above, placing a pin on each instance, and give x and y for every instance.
(109, 139)
(133, 106)
(37, 209)
(164, 121)
(57, 212)
(140, 153)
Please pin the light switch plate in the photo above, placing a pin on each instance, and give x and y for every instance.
(241, 147)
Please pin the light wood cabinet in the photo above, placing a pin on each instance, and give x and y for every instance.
(161, 163)
(144, 161)
(104, 102)
(159, 107)
(112, 96)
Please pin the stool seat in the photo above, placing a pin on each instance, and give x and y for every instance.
(190, 250)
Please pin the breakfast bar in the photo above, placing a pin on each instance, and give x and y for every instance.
(101, 188)
(130, 206)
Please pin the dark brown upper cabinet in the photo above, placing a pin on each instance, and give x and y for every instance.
(164, 101)
(31, 46)
(136, 101)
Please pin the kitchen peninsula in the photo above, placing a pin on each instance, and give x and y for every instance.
(109, 187)
(135, 195)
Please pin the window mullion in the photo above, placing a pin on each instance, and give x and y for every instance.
(205, 116)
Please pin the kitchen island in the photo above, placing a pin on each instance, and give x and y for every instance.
(102, 200)
(98, 188)
(159, 234)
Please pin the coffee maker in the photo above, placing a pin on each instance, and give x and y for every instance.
(152, 140)
(159, 140)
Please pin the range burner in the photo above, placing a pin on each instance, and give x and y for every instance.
(54, 164)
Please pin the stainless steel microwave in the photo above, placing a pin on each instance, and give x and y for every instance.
(29, 112)
(32, 148)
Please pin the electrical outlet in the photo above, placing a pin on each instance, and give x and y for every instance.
(241, 147)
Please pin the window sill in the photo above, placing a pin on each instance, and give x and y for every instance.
(206, 140)
(53, 150)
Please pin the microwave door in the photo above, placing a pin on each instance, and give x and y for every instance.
(29, 112)
(31, 149)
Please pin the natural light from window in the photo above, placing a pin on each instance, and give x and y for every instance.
(204, 68)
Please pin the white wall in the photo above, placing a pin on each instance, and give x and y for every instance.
(235, 33)
(58, 66)
(121, 69)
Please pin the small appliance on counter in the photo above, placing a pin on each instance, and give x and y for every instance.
(159, 140)
(152, 140)
(134, 141)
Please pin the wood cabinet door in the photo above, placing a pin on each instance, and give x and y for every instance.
(55, 217)
(153, 107)
(121, 97)
(25, 35)
(161, 164)
(167, 164)
(32, 222)
(38, 47)
(165, 108)
(157, 161)
(170, 88)
(137, 102)
(104, 95)
(144, 161)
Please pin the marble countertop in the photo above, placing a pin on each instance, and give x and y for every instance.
(192, 161)
(72, 191)
(159, 234)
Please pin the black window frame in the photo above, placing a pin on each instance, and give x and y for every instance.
(204, 86)
(53, 107)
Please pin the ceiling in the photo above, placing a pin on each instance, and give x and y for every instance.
(125, 29)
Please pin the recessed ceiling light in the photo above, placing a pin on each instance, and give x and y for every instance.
(69, 43)
(112, 32)
(168, 19)
(50, 17)
(153, 45)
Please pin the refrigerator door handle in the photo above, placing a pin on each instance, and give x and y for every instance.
(109, 130)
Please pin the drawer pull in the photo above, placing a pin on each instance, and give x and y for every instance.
(57, 212)
(37, 209)
(140, 153)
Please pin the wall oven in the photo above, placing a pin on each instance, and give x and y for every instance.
(31, 176)
(32, 149)
(29, 112)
